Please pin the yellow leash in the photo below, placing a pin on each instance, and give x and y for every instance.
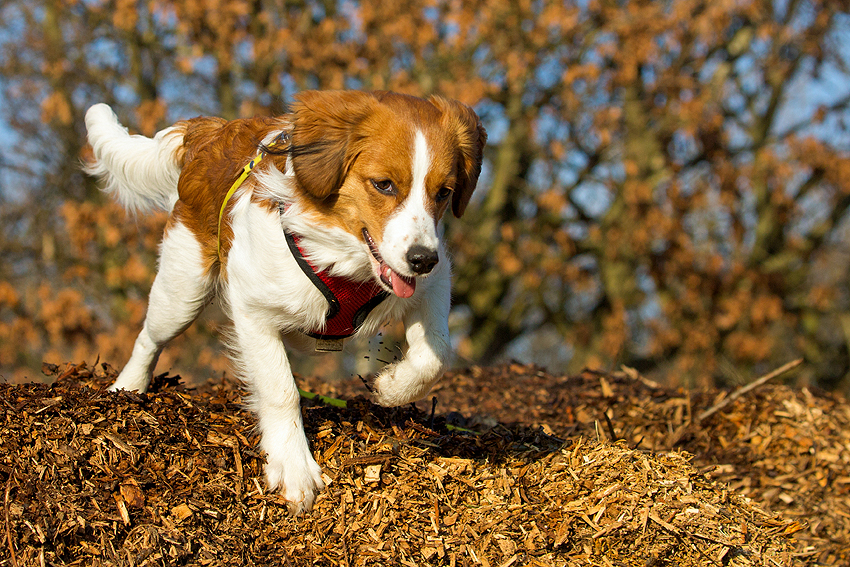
(246, 171)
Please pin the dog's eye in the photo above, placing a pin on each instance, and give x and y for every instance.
(443, 194)
(384, 186)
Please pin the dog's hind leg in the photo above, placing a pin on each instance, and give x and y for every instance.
(180, 291)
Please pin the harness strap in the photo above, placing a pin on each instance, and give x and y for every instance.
(246, 171)
(349, 301)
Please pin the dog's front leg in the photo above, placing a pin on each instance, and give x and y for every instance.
(274, 397)
(428, 348)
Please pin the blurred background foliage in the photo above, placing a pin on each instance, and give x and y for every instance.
(666, 184)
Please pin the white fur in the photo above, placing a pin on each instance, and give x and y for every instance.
(141, 172)
(329, 248)
(269, 296)
(428, 347)
(179, 293)
(411, 224)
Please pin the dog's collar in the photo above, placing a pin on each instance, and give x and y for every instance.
(350, 301)
(281, 138)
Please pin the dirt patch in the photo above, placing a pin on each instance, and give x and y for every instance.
(174, 477)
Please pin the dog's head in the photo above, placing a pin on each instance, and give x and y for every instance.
(385, 167)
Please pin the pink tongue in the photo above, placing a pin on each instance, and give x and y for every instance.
(402, 286)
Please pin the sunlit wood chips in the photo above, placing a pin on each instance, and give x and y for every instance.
(175, 477)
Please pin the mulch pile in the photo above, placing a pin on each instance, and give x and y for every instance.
(596, 469)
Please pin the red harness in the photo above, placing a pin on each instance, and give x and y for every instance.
(350, 301)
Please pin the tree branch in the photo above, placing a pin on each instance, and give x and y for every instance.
(749, 387)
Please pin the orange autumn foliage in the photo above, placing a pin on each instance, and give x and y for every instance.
(666, 184)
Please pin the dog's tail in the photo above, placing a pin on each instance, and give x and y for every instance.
(141, 172)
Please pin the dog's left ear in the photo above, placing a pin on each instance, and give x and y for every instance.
(471, 138)
(324, 130)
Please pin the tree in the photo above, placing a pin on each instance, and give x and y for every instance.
(665, 187)
(651, 202)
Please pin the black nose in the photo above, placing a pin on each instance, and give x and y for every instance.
(422, 260)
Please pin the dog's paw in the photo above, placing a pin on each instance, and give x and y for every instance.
(137, 373)
(130, 384)
(396, 386)
(384, 388)
(297, 479)
(402, 382)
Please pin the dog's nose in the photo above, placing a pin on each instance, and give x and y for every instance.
(421, 259)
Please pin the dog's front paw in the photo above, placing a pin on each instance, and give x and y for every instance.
(385, 388)
(406, 381)
(298, 479)
(131, 382)
(399, 384)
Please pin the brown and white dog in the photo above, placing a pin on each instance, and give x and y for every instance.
(312, 226)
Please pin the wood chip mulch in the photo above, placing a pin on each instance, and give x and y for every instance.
(599, 469)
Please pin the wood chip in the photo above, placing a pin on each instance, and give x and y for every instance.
(176, 477)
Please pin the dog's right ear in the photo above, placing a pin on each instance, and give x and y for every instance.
(324, 127)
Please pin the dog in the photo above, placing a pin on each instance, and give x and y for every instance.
(310, 227)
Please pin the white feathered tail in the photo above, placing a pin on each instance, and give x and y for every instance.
(141, 172)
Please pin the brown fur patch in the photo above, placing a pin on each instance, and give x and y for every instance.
(215, 152)
(470, 138)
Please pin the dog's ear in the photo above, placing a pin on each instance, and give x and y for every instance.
(471, 138)
(324, 128)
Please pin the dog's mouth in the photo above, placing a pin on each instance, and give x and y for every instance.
(402, 286)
